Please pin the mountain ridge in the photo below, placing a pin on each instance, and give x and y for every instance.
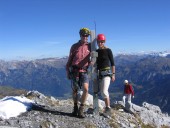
(49, 77)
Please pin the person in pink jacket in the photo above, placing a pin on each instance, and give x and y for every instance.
(76, 68)
(128, 92)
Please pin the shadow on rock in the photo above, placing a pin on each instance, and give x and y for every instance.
(42, 108)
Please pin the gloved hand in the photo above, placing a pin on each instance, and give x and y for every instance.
(133, 97)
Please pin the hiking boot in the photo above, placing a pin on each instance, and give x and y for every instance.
(81, 113)
(75, 111)
(107, 112)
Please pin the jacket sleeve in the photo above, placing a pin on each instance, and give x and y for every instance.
(110, 54)
(70, 58)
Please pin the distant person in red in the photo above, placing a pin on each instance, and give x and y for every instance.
(128, 92)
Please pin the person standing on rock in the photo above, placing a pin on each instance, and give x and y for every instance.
(106, 69)
(128, 93)
(76, 68)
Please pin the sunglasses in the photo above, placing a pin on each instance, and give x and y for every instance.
(84, 35)
(101, 41)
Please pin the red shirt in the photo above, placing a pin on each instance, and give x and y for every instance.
(79, 55)
(128, 89)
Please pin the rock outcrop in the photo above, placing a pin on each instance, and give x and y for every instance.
(49, 112)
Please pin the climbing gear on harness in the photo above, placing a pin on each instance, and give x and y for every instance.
(103, 73)
(76, 76)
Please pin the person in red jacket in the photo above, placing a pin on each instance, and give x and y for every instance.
(128, 92)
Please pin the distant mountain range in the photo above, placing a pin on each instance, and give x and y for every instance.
(149, 74)
(45, 75)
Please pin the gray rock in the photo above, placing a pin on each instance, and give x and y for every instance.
(49, 112)
(149, 114)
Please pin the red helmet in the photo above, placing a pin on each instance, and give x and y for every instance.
(101, 37)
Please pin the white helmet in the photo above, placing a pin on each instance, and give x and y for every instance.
(126, 81)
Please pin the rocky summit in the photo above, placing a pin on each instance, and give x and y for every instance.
(49, 112)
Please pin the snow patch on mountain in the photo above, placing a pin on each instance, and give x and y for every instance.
(12, 106)
(143, 53)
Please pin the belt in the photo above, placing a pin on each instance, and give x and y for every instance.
(78, 68)
(104, 69)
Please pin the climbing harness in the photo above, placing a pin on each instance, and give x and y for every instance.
(76, 77)
(103, 73)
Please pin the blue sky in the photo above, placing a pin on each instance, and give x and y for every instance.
(48, 28)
